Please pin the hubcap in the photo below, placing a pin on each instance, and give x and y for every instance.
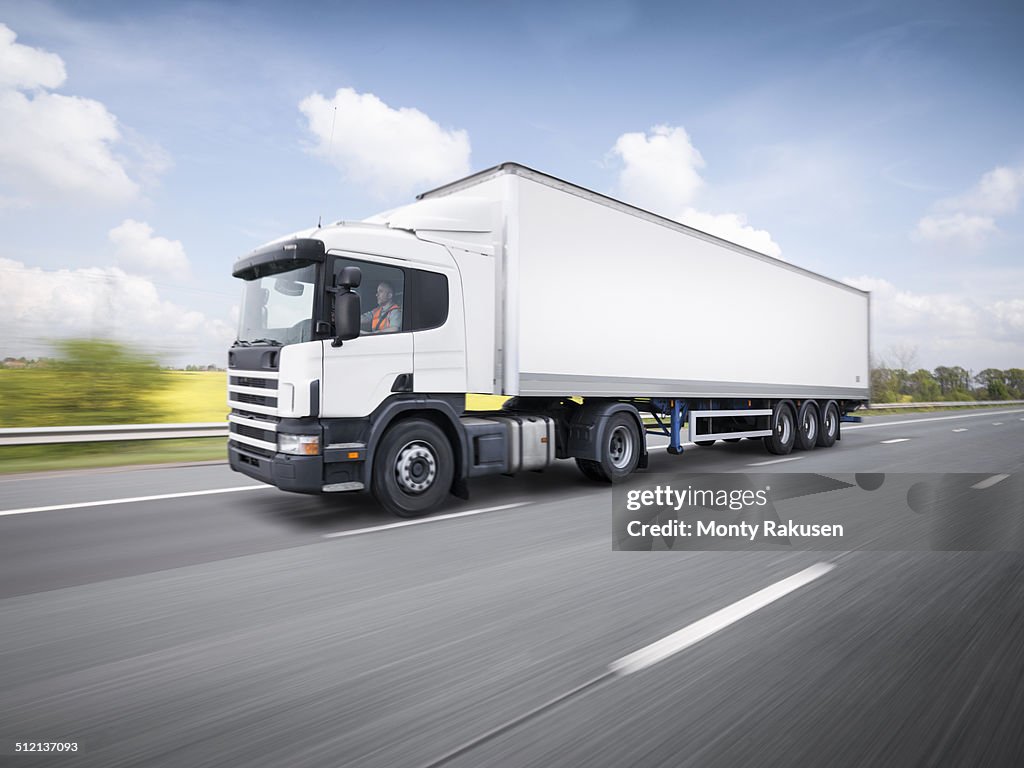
(415, 467)
(620, 447)
(810, 426)
(784, 427)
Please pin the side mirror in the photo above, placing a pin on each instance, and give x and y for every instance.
(346, 305)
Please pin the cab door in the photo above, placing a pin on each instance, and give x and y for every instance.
(362, 373)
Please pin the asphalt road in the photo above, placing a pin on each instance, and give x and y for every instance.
(237, 628)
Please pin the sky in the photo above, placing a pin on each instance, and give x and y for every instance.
(144, 147)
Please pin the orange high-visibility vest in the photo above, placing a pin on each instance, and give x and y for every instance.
(379, 320)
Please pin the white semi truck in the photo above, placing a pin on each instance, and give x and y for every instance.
(602, 323)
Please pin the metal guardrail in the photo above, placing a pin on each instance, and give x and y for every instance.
(886, 406)
(108, 433)
(118, 432)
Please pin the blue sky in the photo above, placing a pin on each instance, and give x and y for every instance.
(144, 147)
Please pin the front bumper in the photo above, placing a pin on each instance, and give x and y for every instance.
(300, 474)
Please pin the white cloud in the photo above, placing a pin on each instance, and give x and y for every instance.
(139, 251)
(996, 193)
(945, 329)
(22, 66)
(51, 144)
(42, 304)
(959, 226)
(392, 151)
(732, 227)
(661, 173)
(970, 217)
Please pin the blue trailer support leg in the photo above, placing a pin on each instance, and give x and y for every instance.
(675, 441)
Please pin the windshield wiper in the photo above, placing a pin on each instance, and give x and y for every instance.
(245, 343)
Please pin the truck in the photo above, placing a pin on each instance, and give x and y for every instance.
(600, 322)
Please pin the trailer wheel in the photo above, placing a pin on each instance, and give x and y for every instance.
(829, 427)
(704, 443)
(620, 451)
(413, 469)
(780, 442)
(732, 439)
(807, 426)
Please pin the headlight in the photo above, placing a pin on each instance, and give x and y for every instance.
(299, 445)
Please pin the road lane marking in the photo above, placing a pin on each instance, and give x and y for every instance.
(774, 461)
(997, 423)
(896, 440)
(717, 621)
(424, 520)
(921, 421)
(964, 429)
(989, 482)
(132, 500)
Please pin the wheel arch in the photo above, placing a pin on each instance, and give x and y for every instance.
(589, 424)
(437, 411)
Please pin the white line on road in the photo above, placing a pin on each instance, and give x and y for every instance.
(719, 620)
(997, 423)
(921, 421)
(988, 482)
(896, 440)
(964, 429)
(423, 521)
(107, 502)
(774, 461)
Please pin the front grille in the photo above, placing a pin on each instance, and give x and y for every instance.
(245, 381)
(245, 397)
(259, 434)
(242, 434)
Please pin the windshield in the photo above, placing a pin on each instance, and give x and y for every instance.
(278, 308)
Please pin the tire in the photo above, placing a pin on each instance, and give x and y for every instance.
(591, 470)
(828, 428)
(413, 468)
(780, 442)
(808, 424)
(620, 451)
(732, 439)
(704, 443)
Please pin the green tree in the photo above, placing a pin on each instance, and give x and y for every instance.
(925, 388)
(994, 383)
(1015, 383)
(92, 381)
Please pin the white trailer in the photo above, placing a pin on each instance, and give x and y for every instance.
(359, 341)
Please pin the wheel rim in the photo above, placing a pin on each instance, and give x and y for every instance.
(620, 447)
(784, 428)
(832, 422)
(810, 425)
(415, 467)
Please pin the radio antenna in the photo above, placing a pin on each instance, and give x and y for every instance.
(330, 146)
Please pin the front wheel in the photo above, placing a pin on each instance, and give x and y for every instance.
(413, 469)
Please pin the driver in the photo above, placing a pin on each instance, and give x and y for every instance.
(386, 317)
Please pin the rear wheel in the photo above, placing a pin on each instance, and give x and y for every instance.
(619, 451)
(704, 443)
(807, 426)
(413, 469)
(783, 435)
(828, 429)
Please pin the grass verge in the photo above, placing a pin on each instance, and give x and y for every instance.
(40, 458)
